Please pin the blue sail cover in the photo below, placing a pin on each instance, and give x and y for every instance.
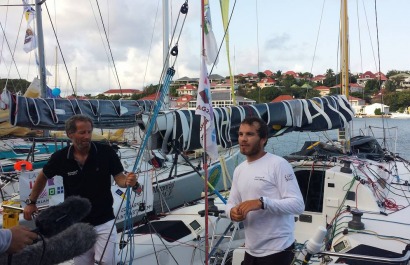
(181, 128)
(51, 113)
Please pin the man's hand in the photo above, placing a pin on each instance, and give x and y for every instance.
(21, 236)
(245, 207)
(29, 210)
(236, 215)
(130, 179)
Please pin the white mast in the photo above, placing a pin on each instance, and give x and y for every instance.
(40, 42)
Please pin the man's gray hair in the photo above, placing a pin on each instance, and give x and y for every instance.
(70, 124)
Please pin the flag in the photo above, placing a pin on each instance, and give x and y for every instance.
(211, 47)
(30, 41)
(204, 108)
(38, 65)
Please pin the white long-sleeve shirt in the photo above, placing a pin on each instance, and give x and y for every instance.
(269, 230)
(5, 240)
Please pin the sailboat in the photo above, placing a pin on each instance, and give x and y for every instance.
(176, 179)
(356, 196)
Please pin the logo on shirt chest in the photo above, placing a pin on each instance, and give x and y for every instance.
(72, 173)
(289, 177)
(259, 178)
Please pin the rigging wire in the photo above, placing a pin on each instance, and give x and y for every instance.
(109, 47)
(150, 46)
(360, 39)
(102, 41)
(223, 38)
(370, 36)
(12, 51)
(4, 35)
(317, 40)
(378, 69)
(59, 48)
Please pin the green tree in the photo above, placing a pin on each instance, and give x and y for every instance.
(261, 75)
(390, 86)
(15, 85)
(372, 86)
(136, 96)
(288, 81)
(101, 96)
(330, 78)
(378, 111)
(115, 97)
(392, 72)
(311, 93)
(269, 93)
(278, 74)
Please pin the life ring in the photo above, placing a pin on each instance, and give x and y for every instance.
(23, 164)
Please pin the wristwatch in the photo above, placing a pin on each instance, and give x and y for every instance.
(28, 201)
(263, 203)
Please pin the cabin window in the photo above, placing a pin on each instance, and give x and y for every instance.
(169, 230)
(312, 184)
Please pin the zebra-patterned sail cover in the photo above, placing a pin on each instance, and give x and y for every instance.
(181, 128)
(51, 113)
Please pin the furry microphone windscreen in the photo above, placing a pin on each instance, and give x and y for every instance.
(55, 219)
(72, 242)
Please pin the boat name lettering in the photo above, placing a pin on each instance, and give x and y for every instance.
(169, 187)
(203, 108)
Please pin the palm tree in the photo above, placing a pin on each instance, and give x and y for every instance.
(330, 73)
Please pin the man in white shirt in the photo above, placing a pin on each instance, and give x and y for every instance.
(265, 195)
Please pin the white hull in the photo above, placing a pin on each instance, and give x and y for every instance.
(397, 115)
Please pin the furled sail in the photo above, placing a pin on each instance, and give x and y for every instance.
(180, 129)
(51, 113)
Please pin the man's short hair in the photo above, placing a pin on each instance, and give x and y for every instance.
(263, 127)
(70, 124)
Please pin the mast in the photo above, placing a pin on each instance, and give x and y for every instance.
(40, 42)
(41, 55)
(344, 67)
(344, 50)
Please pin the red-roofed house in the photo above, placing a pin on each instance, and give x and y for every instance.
(295, 75)
(353, 87)
(357, 104)
(151, 97)
(266, 82)
(183, 101)
(319, 79)
(323, 90)
(268, 73)
(125, 92)
(282, 98)
(368, 75)
(250, 76)
(188, 89)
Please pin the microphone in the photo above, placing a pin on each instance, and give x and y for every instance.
(72, 242)
(57, 218)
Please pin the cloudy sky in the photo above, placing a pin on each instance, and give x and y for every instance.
(264, 34)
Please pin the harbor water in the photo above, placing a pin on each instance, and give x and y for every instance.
(396, 136)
